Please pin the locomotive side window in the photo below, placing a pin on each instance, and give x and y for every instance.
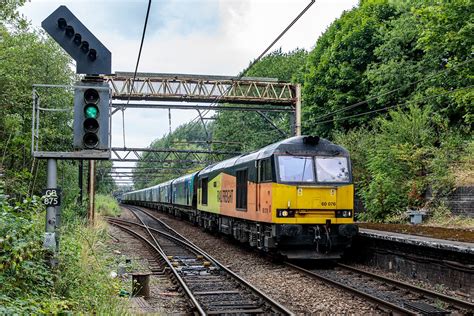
(332, 169)
(296, 169)
(265, 170)
(204, 184)
(241, 189)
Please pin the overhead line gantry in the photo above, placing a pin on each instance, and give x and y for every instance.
(199, 92)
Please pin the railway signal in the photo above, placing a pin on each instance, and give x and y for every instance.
(91, 116)
(91, 56)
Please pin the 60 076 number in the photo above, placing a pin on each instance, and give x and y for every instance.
(328, 203)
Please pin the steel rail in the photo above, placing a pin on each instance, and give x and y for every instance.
(428, 293)
(275, 305)
(364, 295)
(185, 242)
(163, 256)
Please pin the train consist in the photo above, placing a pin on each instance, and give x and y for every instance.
(294, 198)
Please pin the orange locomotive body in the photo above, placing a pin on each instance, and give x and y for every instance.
(294, 197)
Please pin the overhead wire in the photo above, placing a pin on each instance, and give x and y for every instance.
(136, 69)
(240, 76)
(392, 91)
(218, 98)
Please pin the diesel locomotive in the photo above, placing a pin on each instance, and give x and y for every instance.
(294, 198)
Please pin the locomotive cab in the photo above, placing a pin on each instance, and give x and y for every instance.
(313, 198)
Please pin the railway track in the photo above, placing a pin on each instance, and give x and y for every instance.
(211, 288)
(390, 295)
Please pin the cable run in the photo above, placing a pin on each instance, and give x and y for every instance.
(392, 106)
(393, 91)
(280, 36)
(140, 51)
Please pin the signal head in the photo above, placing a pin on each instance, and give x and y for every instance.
(62, 23)
(63, 26)
(91, 96)
(91, 125)
(91, 111)
(90, 140)
(85, 46)
(92, 54)
(92, 116)
(69, 31)
(77, 39)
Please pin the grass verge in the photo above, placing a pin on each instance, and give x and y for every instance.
(79, 284)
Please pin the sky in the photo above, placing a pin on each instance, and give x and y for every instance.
(212, 37)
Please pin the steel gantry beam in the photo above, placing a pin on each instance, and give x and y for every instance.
(144, 168)
(168, 155)
(134, 174)
(201, 88)
(190, 106)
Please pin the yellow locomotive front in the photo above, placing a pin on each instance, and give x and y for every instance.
(313, 190)
(312, 199)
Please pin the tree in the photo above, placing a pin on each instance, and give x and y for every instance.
(184, 137)
(391, 53)
(27, 57)
(334, 76)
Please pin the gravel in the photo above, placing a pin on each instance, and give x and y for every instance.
(165, 299)
(298, 292)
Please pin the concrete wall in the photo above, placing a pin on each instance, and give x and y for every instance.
(461, 201)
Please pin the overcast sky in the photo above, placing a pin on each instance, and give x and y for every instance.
(216, 37)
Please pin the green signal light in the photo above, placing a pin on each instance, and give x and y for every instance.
(91, 111)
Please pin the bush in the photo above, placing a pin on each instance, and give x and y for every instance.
(79, 284)
(399, 159)
(84, 267)
(25, 278)
(107, 205)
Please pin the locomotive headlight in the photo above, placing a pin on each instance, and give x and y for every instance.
(286, 213)
(344, 213)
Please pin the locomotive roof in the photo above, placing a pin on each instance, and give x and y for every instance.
(294, 145)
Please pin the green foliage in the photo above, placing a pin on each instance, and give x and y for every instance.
(106, 205)
(83, 273)
(27, 58)
(414, 54)
(29, 286)
(357, 142)
(23, 272)
(402, 157)
(397, 162)
(335, 74)
(9, 15)
(388, 53)
(184, 137)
